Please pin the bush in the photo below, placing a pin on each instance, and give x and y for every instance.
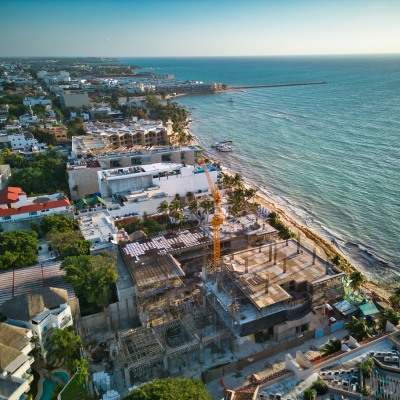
(320, 387)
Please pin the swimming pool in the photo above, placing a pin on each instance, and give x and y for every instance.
(49, 386)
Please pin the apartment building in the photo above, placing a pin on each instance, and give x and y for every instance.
(15, 361)
(41, 311)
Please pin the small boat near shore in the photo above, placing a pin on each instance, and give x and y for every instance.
(225, 148)
(221, 143)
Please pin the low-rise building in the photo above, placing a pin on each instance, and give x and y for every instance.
(41, 311)
(59, 133)
(33, 101)
(15, 361)
(82, 173)
(74, 98)
(16, 206)
(142, 188)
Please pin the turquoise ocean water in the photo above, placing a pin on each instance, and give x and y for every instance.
(330, 153)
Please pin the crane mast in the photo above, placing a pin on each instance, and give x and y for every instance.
(218, 218)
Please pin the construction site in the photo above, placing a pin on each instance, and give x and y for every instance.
(206, 298)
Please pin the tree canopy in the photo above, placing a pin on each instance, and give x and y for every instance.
(66, 345)
(18, 249)
(170, 389)
(45, 174)
(57, 223)
(92, 277)
(69, 243)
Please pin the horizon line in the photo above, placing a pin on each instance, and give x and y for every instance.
(210, 56)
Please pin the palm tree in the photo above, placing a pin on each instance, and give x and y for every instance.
(389, 315)
(237, 200)
(189, 196)
(357, 280)
(359, 329)
(366, 368)
(237, 181)
(227, 180)
(309, 394)
(163, 208)
(206, 205)
(333, 346)
(81, 366)
(193, 207)
(395, 298)
(175, 205)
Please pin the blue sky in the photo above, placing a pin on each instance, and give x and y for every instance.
(198, 28)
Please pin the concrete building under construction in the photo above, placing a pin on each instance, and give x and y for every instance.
(194, 317)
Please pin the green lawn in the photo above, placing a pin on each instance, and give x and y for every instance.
(73, 390)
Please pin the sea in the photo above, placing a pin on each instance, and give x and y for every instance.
(329, 154)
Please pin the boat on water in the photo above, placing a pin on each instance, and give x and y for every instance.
(221, 143)
(225, 148)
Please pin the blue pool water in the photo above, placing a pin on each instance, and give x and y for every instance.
(49, 386)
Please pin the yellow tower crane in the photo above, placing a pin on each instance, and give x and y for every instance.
(218, 217)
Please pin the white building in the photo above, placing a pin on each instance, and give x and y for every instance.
(139, 189)
(16, 206)
(42, 311)
(33, 101)
(21, 141)
(15, 361)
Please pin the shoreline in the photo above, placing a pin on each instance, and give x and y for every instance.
(309, 236)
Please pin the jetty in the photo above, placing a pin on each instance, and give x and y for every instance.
(276, 85)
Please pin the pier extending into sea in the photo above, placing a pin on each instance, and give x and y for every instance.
(276, 85)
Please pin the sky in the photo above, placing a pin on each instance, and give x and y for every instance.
(167, 28)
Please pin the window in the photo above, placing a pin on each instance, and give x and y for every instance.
(6, 218)
(33, 213)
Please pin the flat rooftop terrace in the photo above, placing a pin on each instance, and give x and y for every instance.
(262, 271)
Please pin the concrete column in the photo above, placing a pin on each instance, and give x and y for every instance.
(166, 364)
(127, 377)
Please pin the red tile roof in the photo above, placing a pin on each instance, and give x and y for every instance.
(10, 194)
(5, 212)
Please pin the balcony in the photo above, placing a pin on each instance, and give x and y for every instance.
(65, 322)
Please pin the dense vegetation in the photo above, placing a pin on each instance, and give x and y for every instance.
(18, 249)
(45, 174)
(92, 277)
(170, 389)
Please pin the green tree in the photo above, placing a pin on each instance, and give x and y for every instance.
(18, 249)
(357, 280)
(366, 368)
(206, 205)
(13, 159)
(170, 389)
(320, 387)
(57, 223)
(163, 208)
(81, 366)
(66, 345)
(69, 243)
(395, 298)
(92, 277)
(309, 394)
(45, 174)
(333, 346)
(359, 329)
(193, 207)
(388, 315)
